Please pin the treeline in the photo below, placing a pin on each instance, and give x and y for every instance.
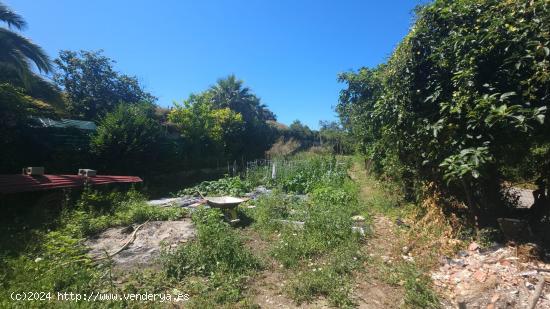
(225, 123)
(461, 104)
(134, 135)
(330, 138)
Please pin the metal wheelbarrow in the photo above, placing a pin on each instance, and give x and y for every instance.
(228, 206)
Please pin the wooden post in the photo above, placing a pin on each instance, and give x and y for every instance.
(273, 171)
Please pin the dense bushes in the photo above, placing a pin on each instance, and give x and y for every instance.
(461, 102)
(225, 123)
(127, 138)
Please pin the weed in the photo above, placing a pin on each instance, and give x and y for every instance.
(225, 186)
(321, 282)
(217, 254)
(217, 249)
(58, 261)
(272, 208)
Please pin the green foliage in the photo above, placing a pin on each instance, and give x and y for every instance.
(231, 93)
(466, 163)
(217, 250)
(300, 131)
(257, 136)
(207, 129)
(333, 133)
(16, 135)
(323, 249)
(418, 292)
(327, 214)
(96, 211)
(61, 265)
(461, 99)
(234, 186)
(303, 176)
(215, 265)
(16, 51)
(225, 122)
(278, 206)
(322, 282)
(127, 138)
(57, 260)
(219, 290)
(330, 280)
(92, 86)
(324, 230)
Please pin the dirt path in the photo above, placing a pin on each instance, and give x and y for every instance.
(372, 289)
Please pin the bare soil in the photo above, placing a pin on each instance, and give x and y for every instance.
(371, 290)
(147, 245)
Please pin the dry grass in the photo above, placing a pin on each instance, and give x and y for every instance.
(283, 148)
(431, 232)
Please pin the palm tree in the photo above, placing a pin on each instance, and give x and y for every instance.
(16, 51)
(230, 92)
(16, 55)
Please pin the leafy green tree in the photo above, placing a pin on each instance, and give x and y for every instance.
(207, 129)
(357, 111)
(301, 132)
(333, 134)
(128, 139)
(93, 88)
(231, 93)
(462, 99)
(16, 51)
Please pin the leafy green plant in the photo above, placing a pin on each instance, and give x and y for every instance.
(217, 249)
(331, 279)
(468, 162)
(128, 136)
(322, 282)
(96, 211)
(224, 186)
(461, 101)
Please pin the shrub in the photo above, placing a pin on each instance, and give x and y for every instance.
(217, 249)
(96, 211)
(224, 186)
(463, 96)
(128, 139)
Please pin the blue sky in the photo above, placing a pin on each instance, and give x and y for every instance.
(288, 51)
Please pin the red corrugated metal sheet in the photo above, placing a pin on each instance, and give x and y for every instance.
(25, 183)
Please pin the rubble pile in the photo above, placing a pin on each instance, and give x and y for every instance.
(495, 277)
(258, 192)
(183, 201)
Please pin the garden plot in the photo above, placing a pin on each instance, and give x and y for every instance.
(191, 202)
(146, 246)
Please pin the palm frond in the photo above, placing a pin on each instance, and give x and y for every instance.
(17, 46)
(11, 18)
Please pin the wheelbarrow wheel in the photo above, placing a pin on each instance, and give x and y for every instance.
(231, 216)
